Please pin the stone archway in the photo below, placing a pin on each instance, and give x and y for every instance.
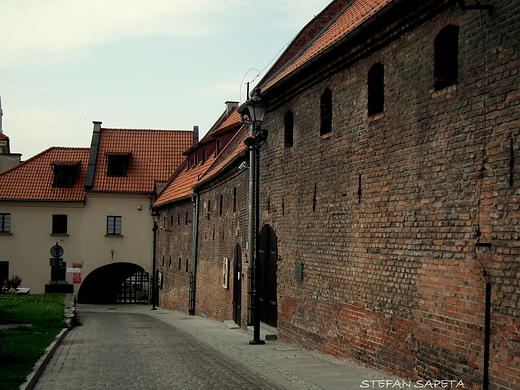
(115, 283)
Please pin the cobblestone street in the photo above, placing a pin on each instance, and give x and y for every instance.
(135, 351)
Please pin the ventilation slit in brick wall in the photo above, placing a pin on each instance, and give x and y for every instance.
(359, 189)
(314, 198)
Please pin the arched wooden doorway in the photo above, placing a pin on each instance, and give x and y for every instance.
(268, 256)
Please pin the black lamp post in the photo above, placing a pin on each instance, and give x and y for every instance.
(255, 109)
(155, 216)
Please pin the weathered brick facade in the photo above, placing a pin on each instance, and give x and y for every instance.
(223, 225)
(174, 254)
(402, 218)
(209, 196)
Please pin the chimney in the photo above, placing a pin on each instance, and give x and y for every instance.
(92, 158)
(195, 134)
(230, 106)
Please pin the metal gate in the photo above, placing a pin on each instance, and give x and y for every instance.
(135, 289)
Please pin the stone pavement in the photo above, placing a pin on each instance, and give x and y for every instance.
(134, 347)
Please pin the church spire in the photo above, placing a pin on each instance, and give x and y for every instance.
(1, 115)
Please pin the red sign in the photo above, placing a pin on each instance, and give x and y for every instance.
(76, 276)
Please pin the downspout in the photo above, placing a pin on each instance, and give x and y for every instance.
(195, 236)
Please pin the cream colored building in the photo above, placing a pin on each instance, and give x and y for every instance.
(94, 203)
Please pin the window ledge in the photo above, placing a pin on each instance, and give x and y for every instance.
(375, 117)
(448, 91)
(6, 234)
(59, 234)
(327, 136)
(114, 235)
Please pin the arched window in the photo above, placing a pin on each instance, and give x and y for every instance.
(376, 89)
(289, 129)
(326, 112)
(446, 60)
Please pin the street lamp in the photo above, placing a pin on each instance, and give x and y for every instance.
(255, 109)
(155, 216)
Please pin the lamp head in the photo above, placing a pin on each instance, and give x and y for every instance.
(257, 106)
(155, 215)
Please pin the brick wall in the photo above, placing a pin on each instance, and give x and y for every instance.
(221, 230)
(385, 212)
(174, 255)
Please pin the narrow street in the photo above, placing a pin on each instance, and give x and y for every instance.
(121, 350)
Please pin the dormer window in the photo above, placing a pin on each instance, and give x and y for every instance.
(117, 164)
(64, 174)
(218, 145)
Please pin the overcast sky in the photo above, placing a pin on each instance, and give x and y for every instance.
(154, 64)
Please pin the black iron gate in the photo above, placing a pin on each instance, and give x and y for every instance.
(135, 289)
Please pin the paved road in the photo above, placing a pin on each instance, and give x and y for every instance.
(120, 350)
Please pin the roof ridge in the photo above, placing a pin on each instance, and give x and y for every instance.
(126, 129)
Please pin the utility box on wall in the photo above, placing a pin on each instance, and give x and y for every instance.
(298, 271)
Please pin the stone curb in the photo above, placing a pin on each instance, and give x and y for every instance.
(33, 377)
(70, 315)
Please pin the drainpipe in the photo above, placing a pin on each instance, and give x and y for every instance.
(195, 236)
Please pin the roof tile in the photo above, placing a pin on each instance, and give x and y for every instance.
(155, 154)
(32, 179)
(351, 17)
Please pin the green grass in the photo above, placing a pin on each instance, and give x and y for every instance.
(24, 345)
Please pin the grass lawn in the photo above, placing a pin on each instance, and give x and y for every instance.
(41, 319)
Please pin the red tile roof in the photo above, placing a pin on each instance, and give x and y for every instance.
(32, 180)
(351, 17)
(155, 155)
(182, 183)
(232, 149)
(3, 137)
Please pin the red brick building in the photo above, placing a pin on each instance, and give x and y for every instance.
(391, 183)
(203, 228)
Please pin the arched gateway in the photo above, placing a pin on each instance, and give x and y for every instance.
(115, 283)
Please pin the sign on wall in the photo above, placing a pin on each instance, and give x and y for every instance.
(225, 272)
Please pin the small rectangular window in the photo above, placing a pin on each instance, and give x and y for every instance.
(5, 223)
(117, 164)
(113, 226)
(64, 174)
(289, 129)
(326, 112)
(59, 224)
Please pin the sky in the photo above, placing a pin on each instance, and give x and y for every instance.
(155, 64)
